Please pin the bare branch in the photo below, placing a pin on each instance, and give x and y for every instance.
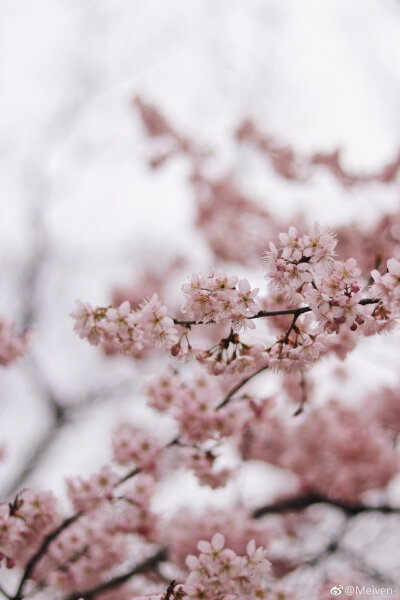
(299, 503)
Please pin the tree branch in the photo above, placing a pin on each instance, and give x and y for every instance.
(369, 570)
(296, 312)
(2, 591)
(238, 386)
(42, 550)
(303, 400)
(299, 503)
(140, 569)
(261, 314)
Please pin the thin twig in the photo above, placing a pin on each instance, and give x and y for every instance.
(170, 590)
(303, 400)
(2, 591)
(238, 386)
(369, 570)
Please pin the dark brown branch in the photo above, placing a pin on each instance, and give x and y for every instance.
(331, 547)
(292, 504)
(368, 569)
(303, 400)
(291, 327)
(130, 474)
(2, 591)
(302, 502)
(296, 312)
(287, 505)
(261, 314)
(54, 534)
(140, 569)
(42, 550)
(170, 590)
(238, 386)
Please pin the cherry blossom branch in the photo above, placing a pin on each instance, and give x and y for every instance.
(54, 534)
(302, 502)
(369, 570)
(42, 550)
(261, 314)
(170, 590)
(288, 505)
(334, 546)
(139, 569)
(290, 164)
(330, 548)
(296, 312)
(238, 386)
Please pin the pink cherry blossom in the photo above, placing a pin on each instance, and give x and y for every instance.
(12, 345)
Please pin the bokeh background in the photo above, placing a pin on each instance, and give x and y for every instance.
(81, 211)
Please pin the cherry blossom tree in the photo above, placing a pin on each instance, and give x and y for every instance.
(211, 349)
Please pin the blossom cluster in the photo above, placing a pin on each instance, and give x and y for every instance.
(194, 406)
(236, 525)
(217, 297)
(133, 446)
(236, 228)
(325, 310)
(218, 573)
(129, 331)
(11, 345)
(221, 574)
(387, 286)
(304, 270)
(88, 546)
(337, 452)
(24, 523)
(84, 494)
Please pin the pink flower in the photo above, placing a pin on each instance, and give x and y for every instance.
(214, 547)
(246, 300)
(84, 494)
(134, 446)
(125, 330)
(218, 297)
